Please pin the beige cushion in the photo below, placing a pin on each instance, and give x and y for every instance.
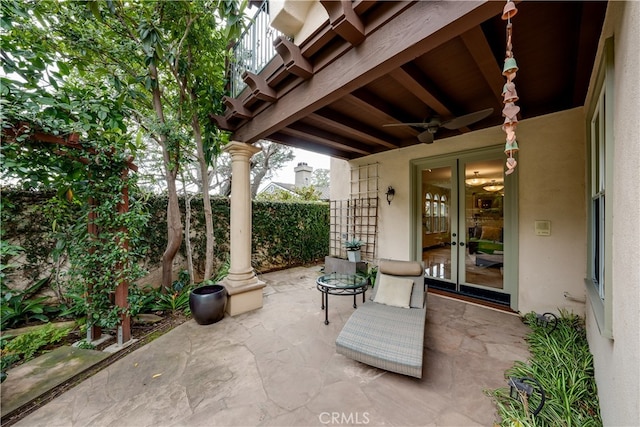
(394, 291)
(401, 268)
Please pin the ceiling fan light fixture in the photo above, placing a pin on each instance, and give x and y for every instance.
(426, 137)
(494, 186)
(476, 180)
(431, 127)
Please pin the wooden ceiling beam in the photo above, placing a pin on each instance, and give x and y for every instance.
(305, 144)
(410, 82)
(403, 38)
(374, 107)
(589, 24)
(326, 138)
(412, 79)
(480, 50)
(336, 121)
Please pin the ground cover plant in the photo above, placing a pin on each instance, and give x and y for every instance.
(563, 366)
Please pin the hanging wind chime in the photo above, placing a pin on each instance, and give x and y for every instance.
(510, 96)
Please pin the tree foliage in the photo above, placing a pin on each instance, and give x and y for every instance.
(106, 74)
(301, 194)
(320, 177)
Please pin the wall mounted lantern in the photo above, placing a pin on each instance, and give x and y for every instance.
(390, 193)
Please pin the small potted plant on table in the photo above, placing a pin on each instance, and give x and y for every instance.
(353, 249)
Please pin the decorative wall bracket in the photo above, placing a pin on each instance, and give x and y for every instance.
(344, 20)
(259, 87)
(236, 109)
(292, 57)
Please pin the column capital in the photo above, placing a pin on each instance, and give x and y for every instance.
(236, 148)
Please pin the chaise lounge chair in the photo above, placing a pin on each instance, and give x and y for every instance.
(388, 331)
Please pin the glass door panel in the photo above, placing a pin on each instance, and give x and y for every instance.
(483, 208)
(463, 217)
(436, 204)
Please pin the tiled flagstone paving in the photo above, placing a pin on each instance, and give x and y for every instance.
(277, 366)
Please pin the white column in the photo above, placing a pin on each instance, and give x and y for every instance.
(243, 287)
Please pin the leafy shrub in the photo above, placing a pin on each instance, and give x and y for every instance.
(6, 360)
(86, 345)
(26, 345)
(17, 308)
(562, 364)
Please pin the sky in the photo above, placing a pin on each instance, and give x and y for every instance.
(315, 160)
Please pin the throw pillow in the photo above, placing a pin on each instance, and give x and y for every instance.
(491, 233)
(394, 291)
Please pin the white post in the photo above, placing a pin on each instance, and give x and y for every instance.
(243, 287)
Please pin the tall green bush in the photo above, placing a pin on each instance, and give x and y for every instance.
(283, 234)
(289, 233)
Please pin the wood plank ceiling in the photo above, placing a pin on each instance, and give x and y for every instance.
(392, 62)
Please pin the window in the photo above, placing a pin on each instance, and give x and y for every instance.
(598, 191)
(427, 213)
(444, 216)
(436, 214)
(601, 141)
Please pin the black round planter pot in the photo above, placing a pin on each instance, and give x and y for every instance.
(207, 303)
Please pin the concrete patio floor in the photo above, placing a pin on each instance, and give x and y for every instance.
(277, 366)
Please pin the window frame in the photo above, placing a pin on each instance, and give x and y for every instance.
(599, 122)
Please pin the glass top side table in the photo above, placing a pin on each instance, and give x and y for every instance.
(341, 284)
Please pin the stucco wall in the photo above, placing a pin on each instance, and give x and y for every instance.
(551, 187)
(617, 361)
(297, 18)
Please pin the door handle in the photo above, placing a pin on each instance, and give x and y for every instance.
(461, 243)
(453, 243)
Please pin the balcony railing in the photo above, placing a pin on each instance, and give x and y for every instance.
(254, 50)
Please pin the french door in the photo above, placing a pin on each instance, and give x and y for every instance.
(466, 228)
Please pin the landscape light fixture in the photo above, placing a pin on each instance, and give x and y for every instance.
(548, 321)
(523, 388)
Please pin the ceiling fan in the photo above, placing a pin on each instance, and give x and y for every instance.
(435, 123)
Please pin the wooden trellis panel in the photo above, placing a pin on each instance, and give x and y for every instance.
(357, 217)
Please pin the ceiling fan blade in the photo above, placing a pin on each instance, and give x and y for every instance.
(467, 119)
(426, 137)
(421, 125)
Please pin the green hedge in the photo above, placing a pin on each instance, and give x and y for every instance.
(284, 234)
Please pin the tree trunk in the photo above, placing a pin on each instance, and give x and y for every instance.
(206, 199)
(174, 225)
(187, 231)
(260, 172)
(174, 229)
